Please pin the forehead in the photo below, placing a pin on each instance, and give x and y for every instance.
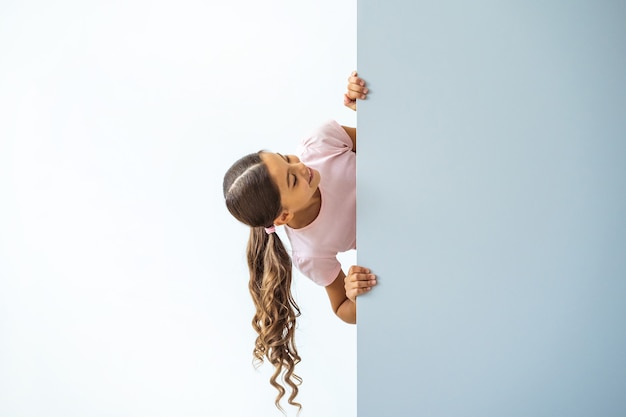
(271, 158)
(276, 166)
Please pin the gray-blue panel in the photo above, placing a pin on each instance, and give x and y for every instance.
(492, 206)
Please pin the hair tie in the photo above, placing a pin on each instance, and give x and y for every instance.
(270, 230)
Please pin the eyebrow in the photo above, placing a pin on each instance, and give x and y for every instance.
(286, 160)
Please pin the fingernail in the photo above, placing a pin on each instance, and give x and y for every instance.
(365, 91)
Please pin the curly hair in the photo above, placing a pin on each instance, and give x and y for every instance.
(253, 198)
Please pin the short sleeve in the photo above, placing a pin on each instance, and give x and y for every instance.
(327, 140)
(322, 271)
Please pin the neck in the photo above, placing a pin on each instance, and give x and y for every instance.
(309, 213)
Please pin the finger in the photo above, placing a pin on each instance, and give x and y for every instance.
(365, 287)
(357, 87)
(353, 97)
(351, 284)
(355, 92)
(365, 276)
(356, 82)
(368, 281)
(354, 79)
(359, 276)
(356, 268)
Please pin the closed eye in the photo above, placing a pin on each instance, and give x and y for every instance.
(295, 179)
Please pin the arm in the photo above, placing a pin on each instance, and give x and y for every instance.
(343, 291)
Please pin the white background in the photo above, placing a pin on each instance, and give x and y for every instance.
(123, 284)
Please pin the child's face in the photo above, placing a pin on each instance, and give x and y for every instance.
(296, 182)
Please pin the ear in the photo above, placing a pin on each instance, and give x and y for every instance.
(284, 217)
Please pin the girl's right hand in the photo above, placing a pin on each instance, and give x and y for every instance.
(358, 281)
(356, 90)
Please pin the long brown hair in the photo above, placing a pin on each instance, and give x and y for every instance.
(253, 198)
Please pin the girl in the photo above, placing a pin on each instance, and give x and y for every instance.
(314, 196)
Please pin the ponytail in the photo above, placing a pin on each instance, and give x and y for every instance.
(276, 310)
(254, 199)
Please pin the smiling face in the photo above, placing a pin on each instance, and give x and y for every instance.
(296, 182)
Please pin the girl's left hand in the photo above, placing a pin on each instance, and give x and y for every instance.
(356, 90)
(358, 281)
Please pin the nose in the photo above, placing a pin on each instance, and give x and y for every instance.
(303, 169)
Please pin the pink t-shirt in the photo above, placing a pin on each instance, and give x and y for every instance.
(328, 149)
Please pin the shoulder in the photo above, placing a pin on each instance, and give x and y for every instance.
(321, 270)
(328, 138)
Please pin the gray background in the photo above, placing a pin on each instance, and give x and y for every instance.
(491, 204)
